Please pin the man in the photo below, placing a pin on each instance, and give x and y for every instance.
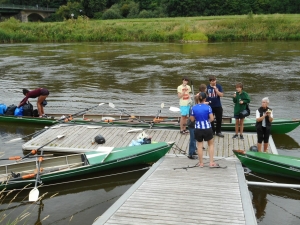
(215, 92)
(183, 91)
(203, 116)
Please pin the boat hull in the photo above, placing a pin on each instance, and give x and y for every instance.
(120, 157)
(279, 126)
(270, 164)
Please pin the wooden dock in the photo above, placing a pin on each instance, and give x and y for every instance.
(81, 137)
(169, 194)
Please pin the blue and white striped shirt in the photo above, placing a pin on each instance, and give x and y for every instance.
(201, 113)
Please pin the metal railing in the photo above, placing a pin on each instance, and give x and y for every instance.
(20, 7)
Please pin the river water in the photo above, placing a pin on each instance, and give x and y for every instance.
(138, 77)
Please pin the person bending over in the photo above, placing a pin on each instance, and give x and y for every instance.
(41, 94)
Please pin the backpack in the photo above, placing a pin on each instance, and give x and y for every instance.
(10, 111)
(28, 109)
(18, 111)
(2, 109)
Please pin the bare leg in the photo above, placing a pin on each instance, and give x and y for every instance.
(259, 147)
(237, 126)
(183, 123)
(200, 152)
(211, 151)
(266, 147)
(39, 104)
(241, 126)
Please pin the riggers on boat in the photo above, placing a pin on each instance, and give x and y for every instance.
(270, 164)
(20, 174)
(279, 126)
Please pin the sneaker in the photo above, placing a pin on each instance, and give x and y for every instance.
(191, 157)
(195, 153)
(241, 137)
(235, 136)
(220, 134)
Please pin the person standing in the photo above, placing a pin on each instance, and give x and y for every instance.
(215, 92)
(183, 92)
(41, 94)
(202, 115)
(240, 99)
(264, 118)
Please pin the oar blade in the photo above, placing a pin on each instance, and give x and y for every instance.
(135, 130)
(13, 140)
(34, 195)
(112, 105)
(101, 104)
(174, 109)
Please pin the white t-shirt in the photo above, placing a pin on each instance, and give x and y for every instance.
(185, 99)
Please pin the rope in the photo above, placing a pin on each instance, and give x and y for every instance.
(115, 174)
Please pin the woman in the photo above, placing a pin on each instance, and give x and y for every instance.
(264, 118)
(202, 115)
(241, 99)
(41, 93)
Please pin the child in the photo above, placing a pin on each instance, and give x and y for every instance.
(184, 101)
(241, 99)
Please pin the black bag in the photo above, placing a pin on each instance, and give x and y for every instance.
(146, 141)
(28, 109)
(35, 113)
(246, 112)
(190, 124)
(10, 110)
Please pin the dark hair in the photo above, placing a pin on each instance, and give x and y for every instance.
(212, 77)
(25, 91)
(239, 84)
(202, 96)
(202, 88)
(185, 78)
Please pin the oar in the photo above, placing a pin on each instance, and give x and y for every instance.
(156, 119)
(174, 109)
(193, 98)
(112, 105)
(107, 155)
(34, 151)
(66, 119)
(34, 193)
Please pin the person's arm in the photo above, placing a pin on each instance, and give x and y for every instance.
(270, 116)
(258, 117)
(23, 101)
(219, 90)
(192, 118)
(211, 117)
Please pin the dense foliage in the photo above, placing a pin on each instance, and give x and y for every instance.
(114, 9)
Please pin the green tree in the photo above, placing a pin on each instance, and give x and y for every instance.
(65, 11)
(93, 6)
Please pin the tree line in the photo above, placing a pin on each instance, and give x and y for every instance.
(117, 9)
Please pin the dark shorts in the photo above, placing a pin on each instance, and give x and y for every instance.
(263, 134)
(203, 134)
(44, 92)
(238, 117)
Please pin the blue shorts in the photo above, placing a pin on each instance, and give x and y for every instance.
(185, 110)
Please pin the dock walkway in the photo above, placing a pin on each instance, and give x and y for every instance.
(165, 195)
(81, 138)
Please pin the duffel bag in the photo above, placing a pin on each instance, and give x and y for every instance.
(10, 111)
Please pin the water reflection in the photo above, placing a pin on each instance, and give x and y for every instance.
(79, 202)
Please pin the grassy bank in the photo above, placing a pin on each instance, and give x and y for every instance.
(222, 28)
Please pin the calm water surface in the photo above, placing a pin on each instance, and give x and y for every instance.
(138, 77)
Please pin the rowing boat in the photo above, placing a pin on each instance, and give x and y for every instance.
(23, 173)
(279, 126)
(270, 164)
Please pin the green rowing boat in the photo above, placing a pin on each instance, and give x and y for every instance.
(279, 126)
(20, 174)
(270, 164)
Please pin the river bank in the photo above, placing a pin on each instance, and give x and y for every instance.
(189, 29)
